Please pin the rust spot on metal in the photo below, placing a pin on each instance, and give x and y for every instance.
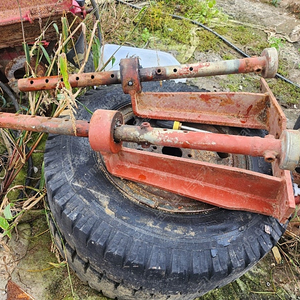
(142, 177)
(252, 64)
(205, 97)
(263, 107)
(248, 110)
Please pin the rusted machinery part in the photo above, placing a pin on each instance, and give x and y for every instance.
(106, 133)
(31, 16)
(175, 174)
(107, 138)
(227, 42)
(44, 124)
(265, 64)
(19, 64)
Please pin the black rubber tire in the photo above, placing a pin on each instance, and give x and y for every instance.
(297, 127)
(130, 251)
(297, 124)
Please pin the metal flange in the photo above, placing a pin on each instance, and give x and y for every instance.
(290, 149)
(271, 67)
(101, 132)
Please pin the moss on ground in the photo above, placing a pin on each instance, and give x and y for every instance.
(41, 274)
(155, 28)
(285, 93)
(240, 35)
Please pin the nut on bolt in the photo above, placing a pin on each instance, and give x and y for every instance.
(270, 156)
(145, 125)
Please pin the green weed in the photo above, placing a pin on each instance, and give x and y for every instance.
(275, 2)
(276, 42)
(145, 35)
(201, 11)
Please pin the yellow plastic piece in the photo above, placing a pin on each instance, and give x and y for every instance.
(176, 125)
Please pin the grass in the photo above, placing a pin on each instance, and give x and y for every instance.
(22, 191)
(21, 149)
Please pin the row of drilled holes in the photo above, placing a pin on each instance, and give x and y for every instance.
(158, 71)
(77, 78)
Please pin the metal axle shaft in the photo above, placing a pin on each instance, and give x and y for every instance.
(107, 135)
(266, 64)
(269, 148)
(44, 124)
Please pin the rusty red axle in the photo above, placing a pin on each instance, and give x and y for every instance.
(44, 124)
(266, 64)
(268, 147)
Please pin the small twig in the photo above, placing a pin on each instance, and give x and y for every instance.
(6, 142)
(89, 48)
(58, 51)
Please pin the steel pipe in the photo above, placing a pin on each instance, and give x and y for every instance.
(44, 124)
(265, 64)
(106, 133)
(269, 148)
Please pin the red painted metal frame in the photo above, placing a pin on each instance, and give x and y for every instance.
(223, 186)
(219, 185)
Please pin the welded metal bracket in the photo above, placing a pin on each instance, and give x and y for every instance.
(226, 187)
